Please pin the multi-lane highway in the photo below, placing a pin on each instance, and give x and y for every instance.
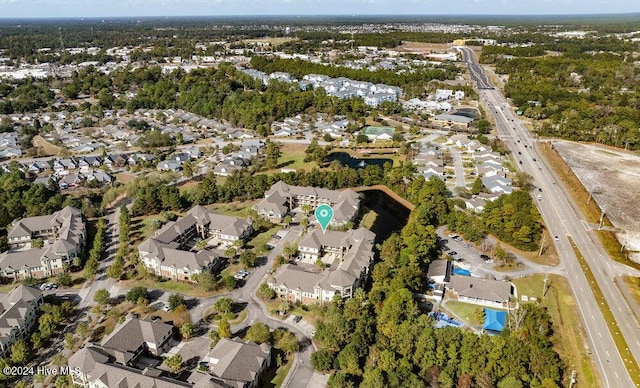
(564, 221)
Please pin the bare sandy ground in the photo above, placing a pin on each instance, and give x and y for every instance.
(613, 177)
(421, 47)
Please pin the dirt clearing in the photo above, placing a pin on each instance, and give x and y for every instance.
(612, 176)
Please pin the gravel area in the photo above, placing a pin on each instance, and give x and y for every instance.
(613, 177)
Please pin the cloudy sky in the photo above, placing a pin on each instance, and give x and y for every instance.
(108, 8)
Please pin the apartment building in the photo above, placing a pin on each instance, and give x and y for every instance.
(63, 236)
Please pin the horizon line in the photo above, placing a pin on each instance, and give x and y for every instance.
(319, 15)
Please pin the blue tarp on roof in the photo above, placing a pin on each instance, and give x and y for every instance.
(460, 271)
(494, 320)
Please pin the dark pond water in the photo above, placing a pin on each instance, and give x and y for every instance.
(467, 112)
(347, 160)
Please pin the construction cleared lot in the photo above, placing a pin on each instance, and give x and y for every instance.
(612, 176)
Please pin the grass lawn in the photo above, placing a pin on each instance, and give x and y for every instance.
(45, 148)
(463, 311)
(274, 376)
(172, 286)
(8, 287)
(125, 177)
(239, 317)
(568, 336)
(369, 219)
(293, 157)
(236, 209)
(261, 239)
(633, 284)
(608, 316)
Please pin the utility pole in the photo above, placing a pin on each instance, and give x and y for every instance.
(573, 379)
(544, 286)
(541, 246)
(601, 219)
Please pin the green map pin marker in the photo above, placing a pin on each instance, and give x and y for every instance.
(324, 215)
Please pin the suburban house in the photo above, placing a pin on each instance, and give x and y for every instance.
(235, 363)
(18, 311)
(498, 183)
(166, 253)
(63, 236)
(485, 292)
(282, 199)
(379, 133)
(346, 256)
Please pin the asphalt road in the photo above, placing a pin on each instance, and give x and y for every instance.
(565, 221)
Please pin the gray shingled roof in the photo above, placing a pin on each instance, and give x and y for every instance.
(237, 361)
(134, 332)
(478, 288)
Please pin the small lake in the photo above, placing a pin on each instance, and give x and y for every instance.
(347, 160)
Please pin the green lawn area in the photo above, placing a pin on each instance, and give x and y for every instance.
(236, 209)
(8, 287)
(261, 239)
(173, 286)
(273, 377)
(292, 156)
(633, 284)
(569, 337)
(609, 318)
(463, 310)
(142, 228)
(369, 219)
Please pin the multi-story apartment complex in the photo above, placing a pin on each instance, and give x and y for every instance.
(166, 254)
(18, 312)
(63, 236)
(282, 199)
(346, 256)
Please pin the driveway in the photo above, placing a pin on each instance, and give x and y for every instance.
(479, 268)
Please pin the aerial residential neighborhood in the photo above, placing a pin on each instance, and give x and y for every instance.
(314, 201)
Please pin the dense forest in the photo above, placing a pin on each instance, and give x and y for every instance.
(513, 218)
(588, 91)
(382, 338)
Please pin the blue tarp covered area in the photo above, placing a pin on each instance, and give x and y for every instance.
(494, 320)
(460, 271)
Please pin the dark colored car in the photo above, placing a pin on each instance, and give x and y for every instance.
(297, 318)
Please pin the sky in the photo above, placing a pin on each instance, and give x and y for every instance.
(119, 8)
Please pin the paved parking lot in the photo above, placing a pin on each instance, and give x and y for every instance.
(304, 326)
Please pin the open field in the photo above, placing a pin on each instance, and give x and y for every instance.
(45, 148)
(568, 335)
(293, 156)
(236, 209)
(464, 311)
(633, 284)
(125, 177)
(422, 47)
(608, 185)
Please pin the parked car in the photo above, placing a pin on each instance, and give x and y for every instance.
(297, 318)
